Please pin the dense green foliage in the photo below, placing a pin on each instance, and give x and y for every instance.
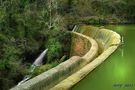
(25, 31)
(98, 11)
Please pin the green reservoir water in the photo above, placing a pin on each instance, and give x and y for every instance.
(118, 71)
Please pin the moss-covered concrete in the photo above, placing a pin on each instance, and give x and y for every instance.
(79, 46)
(53, 76)
(109, 41)
(92, 45)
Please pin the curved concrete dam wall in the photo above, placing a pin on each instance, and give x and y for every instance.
(53, 76)
(68, 73)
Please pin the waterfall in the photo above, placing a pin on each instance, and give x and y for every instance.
(75, 28)
(27, 77)
(36, 63)
(39, 60)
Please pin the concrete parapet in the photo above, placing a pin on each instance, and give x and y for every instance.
(109, 40)
(53, 76)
